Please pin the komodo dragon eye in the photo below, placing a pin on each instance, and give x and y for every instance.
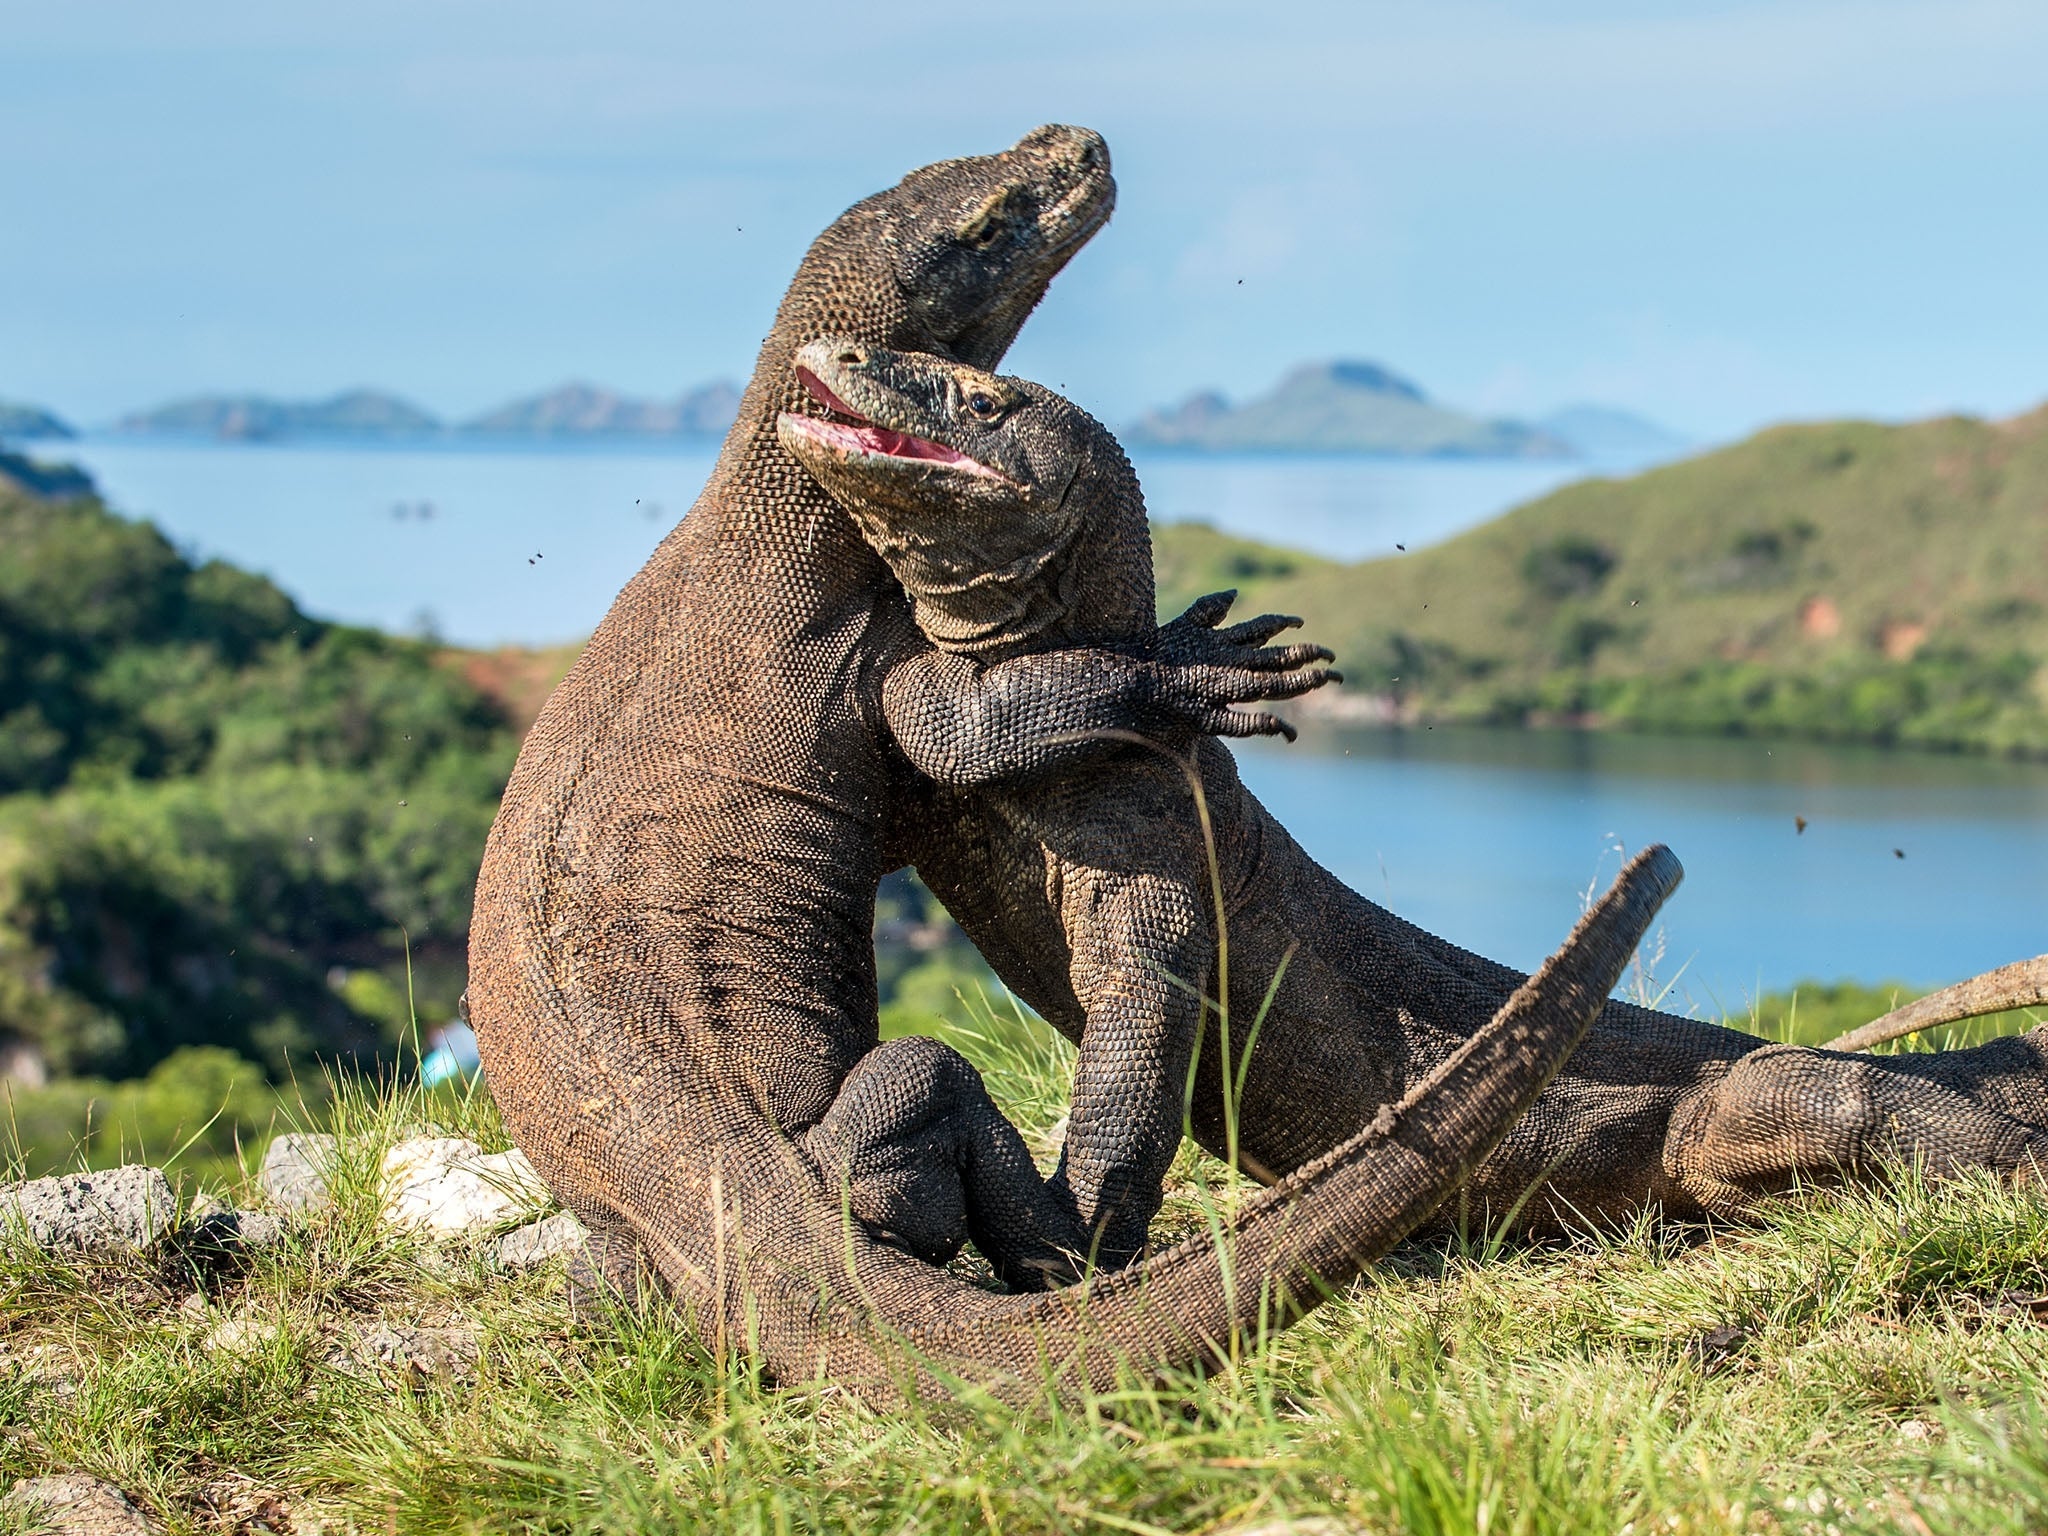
(986, 225)
(982, 405)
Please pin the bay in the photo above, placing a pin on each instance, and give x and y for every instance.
(1913, 867)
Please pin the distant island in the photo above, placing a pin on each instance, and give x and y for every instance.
(1601, 431)
(577, 410)
(21, 423)
(1331, 407)
(1363, 407)
(257, 418)
(574, 410)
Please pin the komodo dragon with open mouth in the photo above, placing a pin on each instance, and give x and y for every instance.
(1014, 521)
(671, 964)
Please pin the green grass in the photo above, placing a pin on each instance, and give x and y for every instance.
(1855, 1364)
(1814, 1013)
(1843, 581)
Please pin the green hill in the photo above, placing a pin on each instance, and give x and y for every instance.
(18, 472)
(1848, 580)
(220, 820)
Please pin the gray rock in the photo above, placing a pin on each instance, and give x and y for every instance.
(259, 1229)
(231, 1231)
(242, 1334)
(120, 1208)
(295, 1168)
(74, 1504)
(417, 1353)
(530, 1246)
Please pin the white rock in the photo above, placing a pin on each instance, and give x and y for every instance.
(74, 1505)
(448, 1184)
(120, 1208)
(531, 1246)
(295, 1169)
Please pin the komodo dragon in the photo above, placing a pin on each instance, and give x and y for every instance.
(671, 965)
(1014, 521)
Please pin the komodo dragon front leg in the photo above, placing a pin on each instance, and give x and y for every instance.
(1092, 895)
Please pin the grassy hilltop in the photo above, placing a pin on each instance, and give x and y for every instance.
(1848, 581)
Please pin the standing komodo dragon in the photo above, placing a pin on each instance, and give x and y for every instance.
(1014, 521)
(671, 961)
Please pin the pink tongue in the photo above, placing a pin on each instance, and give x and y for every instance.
(901, 445)
(863, 436)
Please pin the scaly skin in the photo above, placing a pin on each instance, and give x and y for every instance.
(1091, 894)
(671, 970)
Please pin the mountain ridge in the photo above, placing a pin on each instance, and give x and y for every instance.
(1341, 406)
(569, 410)
(262, 418)
(578, 409)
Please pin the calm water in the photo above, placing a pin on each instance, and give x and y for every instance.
(1487, 837)
(1491, 837)
(529, 545)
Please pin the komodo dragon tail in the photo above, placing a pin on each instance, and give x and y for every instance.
(2023, 984)
(822, 1301)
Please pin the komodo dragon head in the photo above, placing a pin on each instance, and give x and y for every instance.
(983, 494)
(968, 247)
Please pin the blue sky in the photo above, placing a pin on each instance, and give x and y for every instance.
(1718, 214)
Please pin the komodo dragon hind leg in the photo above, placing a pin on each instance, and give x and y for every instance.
(1786, 1116)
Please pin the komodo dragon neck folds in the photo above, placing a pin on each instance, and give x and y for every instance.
(1015, 521)
(671, 967)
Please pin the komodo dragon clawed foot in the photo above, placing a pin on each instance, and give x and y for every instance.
(1238, 661)
(928, 1161)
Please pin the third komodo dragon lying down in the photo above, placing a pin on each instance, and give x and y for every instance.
(1014, 521)
(671, 968)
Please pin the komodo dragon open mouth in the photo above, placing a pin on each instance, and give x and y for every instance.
(851, 435)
